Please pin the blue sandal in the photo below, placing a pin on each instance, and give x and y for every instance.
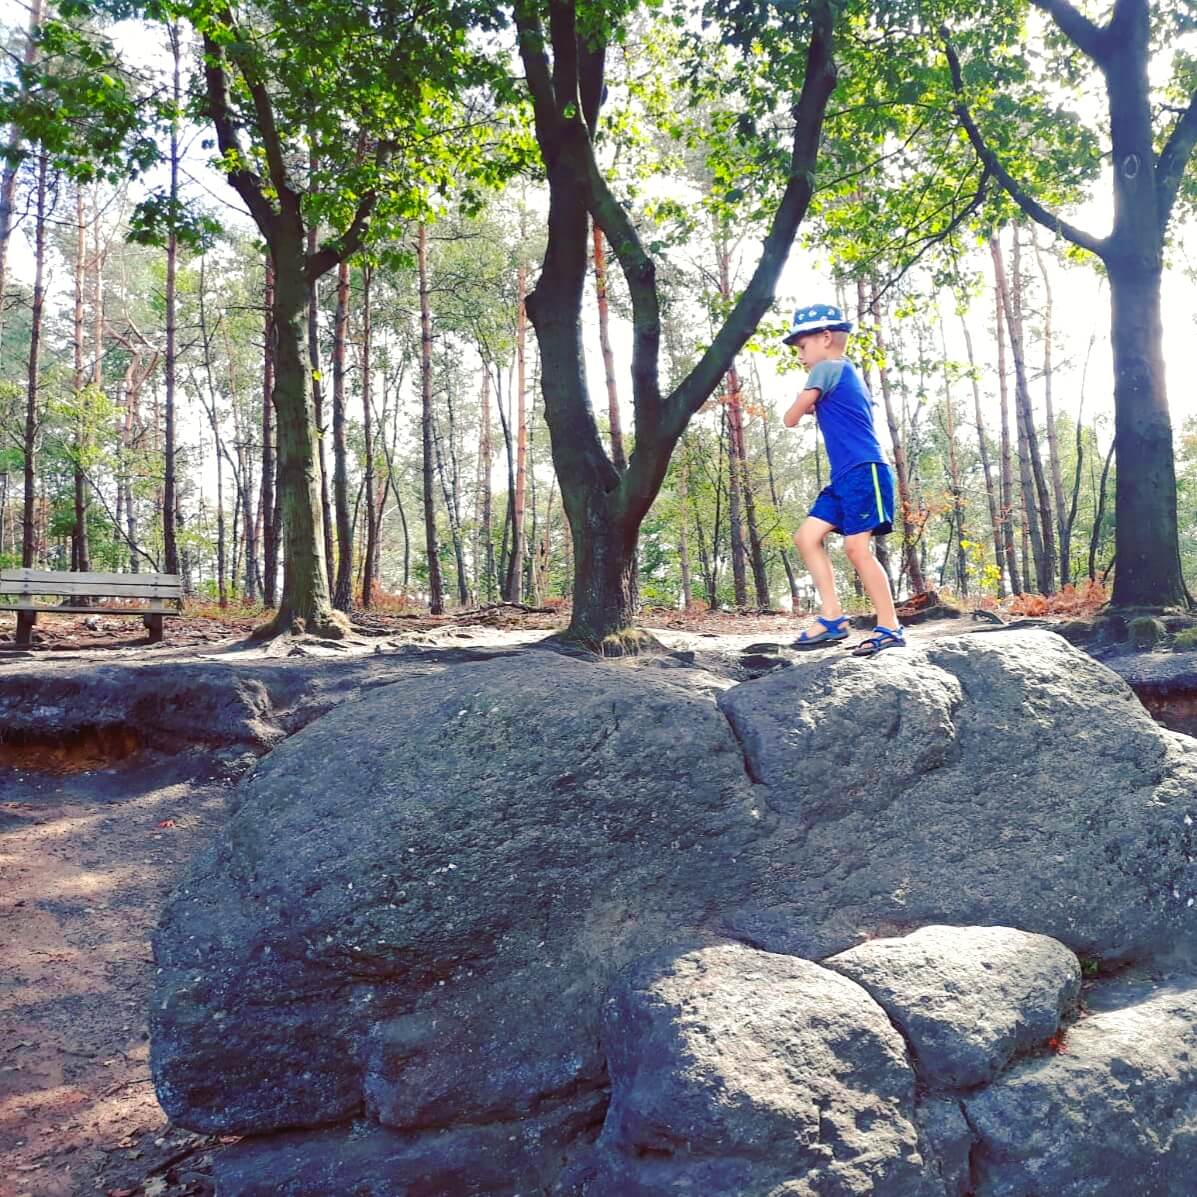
(833, 632)
(879, 641)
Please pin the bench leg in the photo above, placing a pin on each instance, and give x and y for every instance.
(25, 622)
(154, 623)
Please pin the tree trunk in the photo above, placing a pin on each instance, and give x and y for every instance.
(368, 576)
(305, 576)
(343, 589)
(991, 498)
(1099, 514)
(29, 445)
(1037, 499)
(768, 438)
(1053, 448)
(80, 556)
(170, 548)
(222, 590)
(436, 588)
(914, 572)
(1145, 530)
(317, 389)
(515, 564)
(269, 528)
(485, 452)
(949, 406)
(683, 545)
(448, 493)
(995, 251)
(605, 508)
(735, 513)
(600, 287)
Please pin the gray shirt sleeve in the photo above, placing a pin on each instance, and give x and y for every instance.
(825, 375)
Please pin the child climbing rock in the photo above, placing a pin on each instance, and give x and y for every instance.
(858, 502)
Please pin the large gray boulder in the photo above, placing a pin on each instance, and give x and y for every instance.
(1004, 779)
(421, 899)
(967, 999)
(738, 1071)
(1113, 1115)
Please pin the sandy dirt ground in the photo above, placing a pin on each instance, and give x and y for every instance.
(92, 838)
(86, 860)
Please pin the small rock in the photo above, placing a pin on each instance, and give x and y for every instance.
(738, 1071)
(1110, 1116)
(967, 999)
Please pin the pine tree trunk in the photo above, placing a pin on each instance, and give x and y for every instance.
(170, 548)
(1037, 498)
(683, 546)
(486, 453)
(1099, 514)
(735, 513)
(515, 566)
(317, 389)
(343, 588)
(222, 590)
(983, 444)
(269, 527)
(914, 572)
(954, 479)
(80, 556)
(436, 589)
(1012, 570)
(600, 286)
(368, 575)
(1053, 448)
(785, 556)
(29, 445)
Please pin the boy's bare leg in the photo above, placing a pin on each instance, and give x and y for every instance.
(872, 577)
(809, 542)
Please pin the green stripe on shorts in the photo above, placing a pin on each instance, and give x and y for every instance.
(877, 492)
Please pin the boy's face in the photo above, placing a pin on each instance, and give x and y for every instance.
(813, 347)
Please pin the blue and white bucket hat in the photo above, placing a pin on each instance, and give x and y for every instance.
(814, 318)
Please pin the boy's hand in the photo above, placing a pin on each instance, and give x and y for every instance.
(802, 406)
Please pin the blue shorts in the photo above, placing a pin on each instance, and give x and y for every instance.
(860, 500)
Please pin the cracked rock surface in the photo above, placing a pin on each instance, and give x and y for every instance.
(423, 899)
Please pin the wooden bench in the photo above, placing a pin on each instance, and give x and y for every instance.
(155, 591)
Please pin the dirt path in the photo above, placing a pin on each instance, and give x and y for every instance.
(86, 860)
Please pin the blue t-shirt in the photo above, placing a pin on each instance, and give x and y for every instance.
(844, 411)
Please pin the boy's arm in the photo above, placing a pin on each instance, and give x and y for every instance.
(802, 406)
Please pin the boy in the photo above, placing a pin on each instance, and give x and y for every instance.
(859, 500)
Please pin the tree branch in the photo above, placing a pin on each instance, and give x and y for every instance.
(536, 71)
(591, 89)
(818, 84)
(354, 237)
(1087, 37)
(1026, 202)
(244, 181)
(1173, 160)
(563, 29)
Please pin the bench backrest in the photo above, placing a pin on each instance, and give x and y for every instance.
(28, 582)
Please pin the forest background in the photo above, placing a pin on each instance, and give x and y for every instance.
(137, 324)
